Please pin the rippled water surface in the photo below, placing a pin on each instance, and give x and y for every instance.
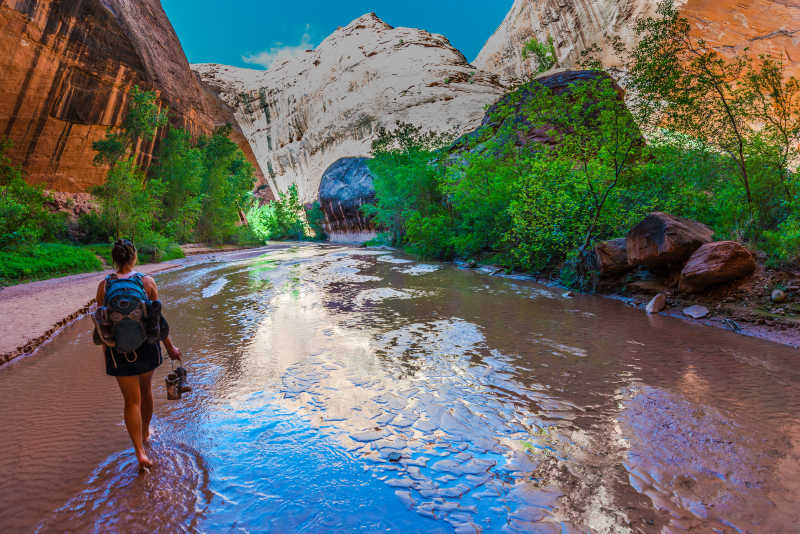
(340, 389)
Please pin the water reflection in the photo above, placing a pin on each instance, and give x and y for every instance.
(342, 389)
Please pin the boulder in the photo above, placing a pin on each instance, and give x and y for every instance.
(778, 296)
(498, 126)
(345, 187)
(716, 263)
(612, 256)
(696, 312)
(658, 304)
(661, 240)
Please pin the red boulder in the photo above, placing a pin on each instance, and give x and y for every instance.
(612, 256)
(662, 239)
(716, 263)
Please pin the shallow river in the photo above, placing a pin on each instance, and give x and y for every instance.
(340, 389)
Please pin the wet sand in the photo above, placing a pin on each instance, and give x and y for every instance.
(32, 313)
(35, 311)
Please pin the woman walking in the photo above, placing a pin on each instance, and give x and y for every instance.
(132, 357)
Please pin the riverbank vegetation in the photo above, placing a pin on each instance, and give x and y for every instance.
(195, 190)
(554, 171)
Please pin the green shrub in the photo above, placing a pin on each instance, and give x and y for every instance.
(129, 203)
(40, 261)
(102, 250)
(281, 219)
(227, 184)
(25, 217)
(543, 54)
(154, 248)
(316, 217)
(179, 166)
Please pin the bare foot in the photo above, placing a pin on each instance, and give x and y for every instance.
(144, 462)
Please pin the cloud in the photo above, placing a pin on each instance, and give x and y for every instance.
(279, 51)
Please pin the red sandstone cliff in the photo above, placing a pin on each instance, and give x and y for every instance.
(67, 66)
(762, 26)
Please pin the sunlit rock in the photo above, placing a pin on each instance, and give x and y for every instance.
(67, 68)
(305, 113)
(761, 26)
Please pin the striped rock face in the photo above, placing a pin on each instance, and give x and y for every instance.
(305, 113)
(763, 26)
(67, 67)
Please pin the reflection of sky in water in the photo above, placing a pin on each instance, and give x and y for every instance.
(334, 392)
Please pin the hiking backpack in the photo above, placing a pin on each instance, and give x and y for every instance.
(124, 313)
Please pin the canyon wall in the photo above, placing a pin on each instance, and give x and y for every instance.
(67, 68)
(763, 26)
(305, 113)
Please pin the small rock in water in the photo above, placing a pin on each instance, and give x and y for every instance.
(658, 303)
(696, 312)
(778, 296)
(394, 456)
(472, 264)
(568, 295)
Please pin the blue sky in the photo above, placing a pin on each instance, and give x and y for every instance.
(251, 33)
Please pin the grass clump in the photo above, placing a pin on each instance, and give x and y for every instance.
(45, 260)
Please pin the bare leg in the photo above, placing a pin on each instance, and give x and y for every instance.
(146, 393)
(129, 385)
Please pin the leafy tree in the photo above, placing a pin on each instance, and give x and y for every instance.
(747, 111)
(129, 204)
(543, 54)
(9, 172)
(279, 219)
(316, 219)
(180, 168)
(406, 177)
(591, 126)
(777, 110)
(227, 182)
(142, 120)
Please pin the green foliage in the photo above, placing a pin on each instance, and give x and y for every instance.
(478, 190)
(46, 260)
(153, 248)
(228, 179)
(543, 54)
(180, 169)
(194, 190)
(743, 108)
(278, 220)
(145, 116)
(593, 128)
(129, 203)
(406, 178)
(142, 120)
(316, 217)
(549, 214)
(526, 206)
(103, 250)
(24, 214)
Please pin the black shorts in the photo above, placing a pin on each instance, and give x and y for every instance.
(143, 360)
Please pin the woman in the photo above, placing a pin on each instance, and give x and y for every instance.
(134, 372)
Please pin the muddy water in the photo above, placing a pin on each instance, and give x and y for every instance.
(342, 389)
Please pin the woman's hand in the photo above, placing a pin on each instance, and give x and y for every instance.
(173, 351)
